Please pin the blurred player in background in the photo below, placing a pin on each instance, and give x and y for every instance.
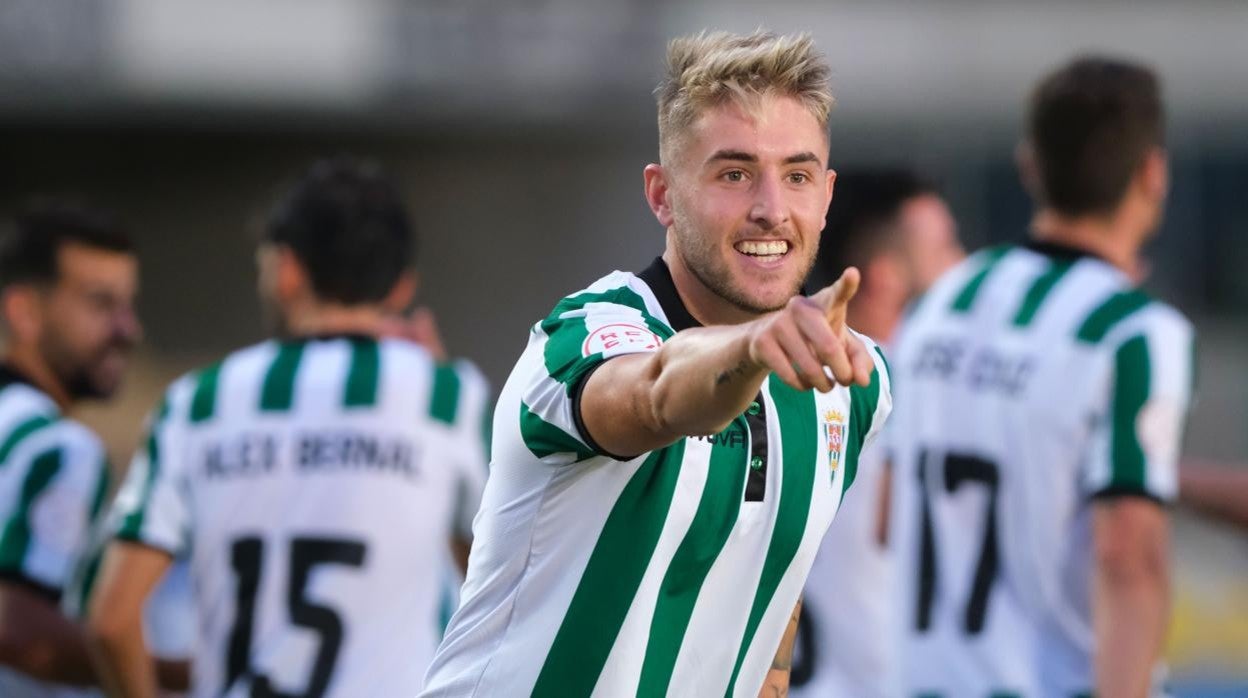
(1038, 425)
(898, 231)
(314, 480)
(68, 280)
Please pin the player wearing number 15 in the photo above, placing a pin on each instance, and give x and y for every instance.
(313, 480)
(1038, 428)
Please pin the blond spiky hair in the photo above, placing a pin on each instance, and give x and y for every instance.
(710, 69)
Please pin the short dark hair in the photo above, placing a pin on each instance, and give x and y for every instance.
(1090, 125)
(346, 224)
(28, 253)
(860, 224)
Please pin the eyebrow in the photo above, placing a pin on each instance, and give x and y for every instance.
(742, 156)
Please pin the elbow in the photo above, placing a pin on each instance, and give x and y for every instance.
(106, 629)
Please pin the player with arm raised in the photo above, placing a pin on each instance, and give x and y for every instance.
(1037, 433)
(671, 447)
(313, 480)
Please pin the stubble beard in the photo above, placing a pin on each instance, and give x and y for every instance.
(701, 258)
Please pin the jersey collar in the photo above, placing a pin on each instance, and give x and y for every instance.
(10, 375)
(659, 278)
(1059, 251)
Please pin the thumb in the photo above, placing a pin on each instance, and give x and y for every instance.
(833, 299)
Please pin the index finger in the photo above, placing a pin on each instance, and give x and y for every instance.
(838, 294)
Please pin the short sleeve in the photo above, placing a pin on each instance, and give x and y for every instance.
(51, 485)
(1139, 429)
(578, 336)
(151, 507)
(472, 435)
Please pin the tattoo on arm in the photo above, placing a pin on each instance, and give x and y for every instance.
(735, 372)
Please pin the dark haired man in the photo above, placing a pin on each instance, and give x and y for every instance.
(68, 279)
(1037, 436)
(314, 480)
(894, 226)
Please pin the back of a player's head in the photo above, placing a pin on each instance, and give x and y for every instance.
(1090, 126)
(710, 69)
(863, 221)
(346, 224)
(30, 251)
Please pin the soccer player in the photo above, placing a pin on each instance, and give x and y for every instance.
(896, 228)
(1039, 418)
(313, 480)
(68, 279)
(671, 446)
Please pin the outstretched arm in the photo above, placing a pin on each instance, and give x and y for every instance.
(1217, 491)
(38, 640)
(702, 379)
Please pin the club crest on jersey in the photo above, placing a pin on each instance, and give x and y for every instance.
(618, 338)
(834, 436)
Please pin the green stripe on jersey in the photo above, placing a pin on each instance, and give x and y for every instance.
(278, 393)
(15, 539)
(1132, 374)
(1115, 309)
(966, 297)
(795, 412)
(611, 577)
(131, 526)
(204, 399)
(1039, 290)
(563, 354)
(444, 401)
(712, 523)
(862, 404)
(545, 439)
(22, 430)
(361, 389)
(101, 489)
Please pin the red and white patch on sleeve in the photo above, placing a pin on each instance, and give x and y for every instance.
(618, 337)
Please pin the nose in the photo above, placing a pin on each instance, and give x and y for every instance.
(769, 209)
(126, 324)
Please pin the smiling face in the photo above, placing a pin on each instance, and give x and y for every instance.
(744, 201)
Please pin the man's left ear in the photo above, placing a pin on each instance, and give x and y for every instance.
(402, 293)
(830, 184)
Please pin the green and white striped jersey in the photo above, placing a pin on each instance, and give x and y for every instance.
(314, 485)
(53, 478)
(672, 573)
(1033, 380)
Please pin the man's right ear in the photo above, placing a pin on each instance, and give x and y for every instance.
(658, 193)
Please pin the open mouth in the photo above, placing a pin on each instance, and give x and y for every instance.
(763, 251)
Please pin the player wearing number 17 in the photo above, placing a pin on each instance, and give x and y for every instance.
(670, 449)
(1038, 429)
(314, 480)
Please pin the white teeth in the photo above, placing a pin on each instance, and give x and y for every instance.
(770, 248)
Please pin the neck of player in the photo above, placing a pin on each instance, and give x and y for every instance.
(28, 362)
(706, 306)
(321, 319)
(1109, 237)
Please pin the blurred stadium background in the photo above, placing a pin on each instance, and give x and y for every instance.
(519, 131)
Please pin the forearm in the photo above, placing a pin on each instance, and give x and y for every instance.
(776, 685)
(695, 385)
(1130, 629)
(38, 640)
(124, 666)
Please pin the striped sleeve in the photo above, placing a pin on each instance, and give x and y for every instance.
(151, 507)
(1147, 395)
(582, 332)
(50, 487)
(869, 409)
